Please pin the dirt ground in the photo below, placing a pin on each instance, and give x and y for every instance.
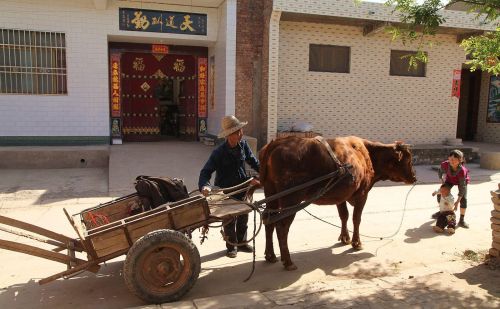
(397, 237)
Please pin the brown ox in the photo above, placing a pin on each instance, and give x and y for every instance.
(291, 161)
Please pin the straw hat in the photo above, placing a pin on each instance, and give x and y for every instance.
(230, 124)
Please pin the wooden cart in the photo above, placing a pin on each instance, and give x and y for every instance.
(162, 263)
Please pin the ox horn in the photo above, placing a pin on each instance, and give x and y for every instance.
(400, 145)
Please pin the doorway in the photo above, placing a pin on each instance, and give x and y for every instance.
(157, 90)
(167, 93)
(468, 105)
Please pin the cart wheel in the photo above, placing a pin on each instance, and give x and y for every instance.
(161, 266)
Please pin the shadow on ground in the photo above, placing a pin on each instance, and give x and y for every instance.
(424, 231)
(484, 277)
(425, 292)
(102, 290)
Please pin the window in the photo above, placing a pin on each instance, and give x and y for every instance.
(400, 65)
(32, 62)
(329, 58)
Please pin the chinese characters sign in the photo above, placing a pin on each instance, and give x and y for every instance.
(202, 87)
(163, 21)
(159, 49)
(115, 85)
(455, 86)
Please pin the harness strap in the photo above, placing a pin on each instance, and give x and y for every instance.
(322, 140)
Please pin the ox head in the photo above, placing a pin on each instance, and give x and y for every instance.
(400, 166)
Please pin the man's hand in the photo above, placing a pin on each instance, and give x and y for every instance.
(456, 207)
(206, 190)
(255, 182)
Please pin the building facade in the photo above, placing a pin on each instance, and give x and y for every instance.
(112, 71)
(93, 71)
(366, 91)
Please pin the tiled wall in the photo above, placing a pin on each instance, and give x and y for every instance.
(367, 102)
(371, 10)
(85, 110)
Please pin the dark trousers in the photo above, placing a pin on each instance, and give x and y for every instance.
(236, 230)
(446, 219)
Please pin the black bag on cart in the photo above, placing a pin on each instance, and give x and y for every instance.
(160, 190)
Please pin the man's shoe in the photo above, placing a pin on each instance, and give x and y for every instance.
(231, 253)
(450, 230)
(435, 215)
(463, 224)
(245, 248)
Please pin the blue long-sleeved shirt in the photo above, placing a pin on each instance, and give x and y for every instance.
(228, 165)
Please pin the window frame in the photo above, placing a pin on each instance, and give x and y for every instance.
(33, 62)
(405, 63)
(346, 62)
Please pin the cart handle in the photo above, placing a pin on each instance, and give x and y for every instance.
(230, 190)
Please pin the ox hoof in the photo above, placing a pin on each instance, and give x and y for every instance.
(271, 258)
(357, 246)
(345, 240)
(290, 267)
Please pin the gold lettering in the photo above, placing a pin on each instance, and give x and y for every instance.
(186, 24)
(179, 65)
(170, 22)
(140, 22)
(156, 20)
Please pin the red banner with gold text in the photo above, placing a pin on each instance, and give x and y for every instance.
(115, 85)
(455, 86)
(202, 87)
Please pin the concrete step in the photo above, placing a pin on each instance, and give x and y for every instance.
(435, 153)
(35, 157)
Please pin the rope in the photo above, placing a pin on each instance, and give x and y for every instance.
(253, 242)
(256, 210)
(285, 212)
(368, 236)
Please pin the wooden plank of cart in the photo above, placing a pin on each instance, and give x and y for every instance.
(162, 263)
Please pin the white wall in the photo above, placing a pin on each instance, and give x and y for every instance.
(225, 64)
(85, 110)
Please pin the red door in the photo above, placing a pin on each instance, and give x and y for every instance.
(183, 69)
(143, 74)
(140, 109)
(188, 109)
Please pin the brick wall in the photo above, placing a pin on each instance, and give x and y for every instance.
(250, 32)
(268, 8)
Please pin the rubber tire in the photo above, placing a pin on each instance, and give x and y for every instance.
(168, 238)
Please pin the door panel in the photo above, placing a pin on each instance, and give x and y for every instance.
(188, 109)
(183, 67)
(141, 121)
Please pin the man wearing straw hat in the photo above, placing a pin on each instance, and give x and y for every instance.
(228, 163)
